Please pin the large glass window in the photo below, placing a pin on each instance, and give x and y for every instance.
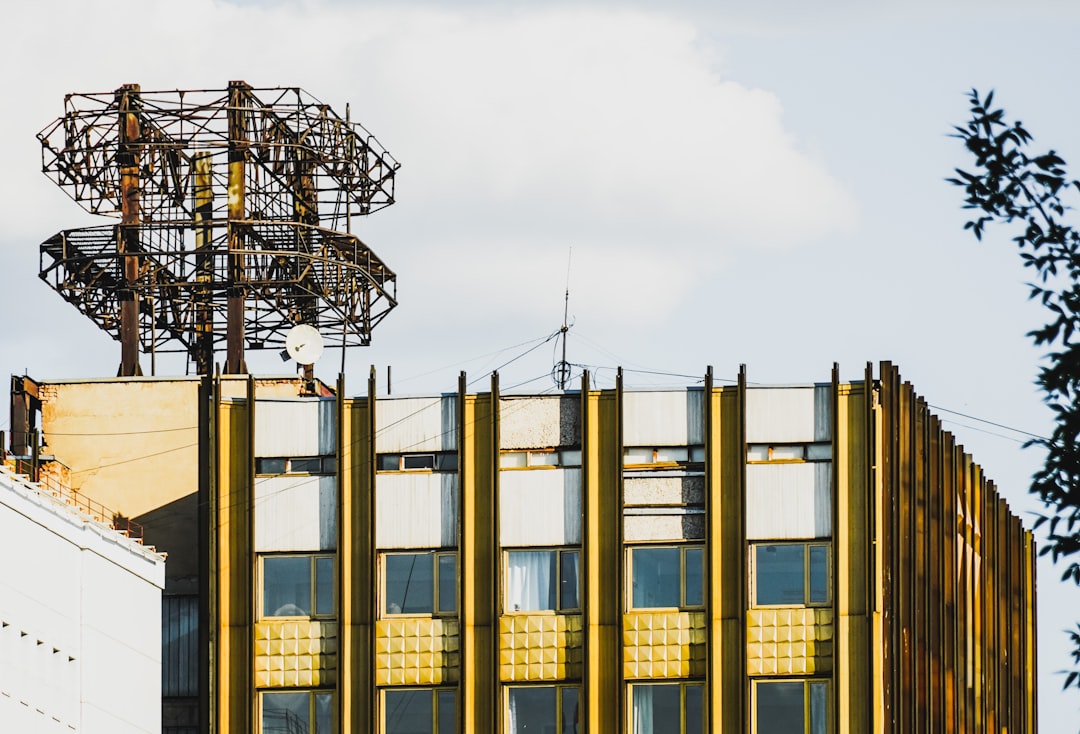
(791, 707)
(543, 709)
(667, 577)
(791, 574)
(439, 461)
(297, 586)
(419, 583)
(275, 465)
(297, 712)
(418, 711)
(538, 580)
(667, 708)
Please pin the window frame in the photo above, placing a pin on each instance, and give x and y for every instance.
(807, 682)
(683, 548)
(567, 457)
(436, 554)
(809, 450)
(558, 551)
(683, 685)
(807, 545)
(313, 693)
(440, 462)
(559, 688)
(695, 456)
(327, 466)
(314, 576)
(434, 690)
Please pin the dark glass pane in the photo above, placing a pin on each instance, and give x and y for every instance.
(287, 586)
(780, 708)
(655, 708)
(269, 466)
(285, 713)
(447, 583)
(447, 461)
(695, 709)
(329, 465)
(307, 465)
(571, 716)
(324, 585)
(407, 712)
(818, 707)
(819, 574)
(530, 581)
(388, 462)
(568, 580)
(532, 710)
(410, 583)
(779, 574)
(655, 577)
(446, 712)
(695, 577)
(324, 713)
(419, 461)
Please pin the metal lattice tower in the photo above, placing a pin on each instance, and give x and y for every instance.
(235, 209)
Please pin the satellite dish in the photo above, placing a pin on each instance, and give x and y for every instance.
(304, 344)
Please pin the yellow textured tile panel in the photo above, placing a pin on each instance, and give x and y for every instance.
(789, 641)
(663, 644)
(295, 653)
(540, 647)
(416, 651)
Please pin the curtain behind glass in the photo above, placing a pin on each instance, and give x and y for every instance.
(643, 710)
(529, 581)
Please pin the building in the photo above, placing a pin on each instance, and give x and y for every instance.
(724, 558)
(80, 639)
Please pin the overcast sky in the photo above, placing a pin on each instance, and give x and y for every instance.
(760, 186)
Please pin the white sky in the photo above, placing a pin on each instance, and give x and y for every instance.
(756, 186)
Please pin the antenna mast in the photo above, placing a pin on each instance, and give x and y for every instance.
(561, 373)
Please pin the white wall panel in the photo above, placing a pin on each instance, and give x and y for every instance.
(301, 427)
(540, 507)
(416, 424)
(654, 488)
(416, 510)
(295, 513)
(539, 422)
(679, 526)
(788, 501)
(788, 414)
(662, 418)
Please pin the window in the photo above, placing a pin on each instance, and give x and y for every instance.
(671, 577)
(541, 459)
(441, 461)
(667, 708)
(311, 712)
(791, 574)
(540, 580)
(545, 709)
(666, 455)
(419, 583)
(758, 453)
(297, 586)
(791, 707)
(418, 711)
(296, 465)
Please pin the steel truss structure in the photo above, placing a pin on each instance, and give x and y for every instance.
(235, 212)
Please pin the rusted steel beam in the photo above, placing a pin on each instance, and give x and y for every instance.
(128, 160)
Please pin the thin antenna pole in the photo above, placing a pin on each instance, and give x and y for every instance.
(564, 368)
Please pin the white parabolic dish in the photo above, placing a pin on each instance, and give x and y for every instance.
(304, 344)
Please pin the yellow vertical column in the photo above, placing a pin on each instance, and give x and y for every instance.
(725, 462)
(602, 540)
(356, 558)
(852, 546)
(479, 562)
(234, 578)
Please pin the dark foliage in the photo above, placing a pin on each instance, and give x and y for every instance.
(1013, 186)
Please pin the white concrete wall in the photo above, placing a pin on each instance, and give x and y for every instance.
(295, 513)
(663, 418)
(80, 621)
(416, 424)
(538, 422)
(295, 427)
(789, 414)
(788, 501)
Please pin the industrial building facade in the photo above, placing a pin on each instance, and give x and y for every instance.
(723, 558)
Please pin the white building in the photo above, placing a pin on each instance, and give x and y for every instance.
(80, 620)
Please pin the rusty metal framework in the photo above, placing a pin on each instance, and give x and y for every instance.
(235, 212)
